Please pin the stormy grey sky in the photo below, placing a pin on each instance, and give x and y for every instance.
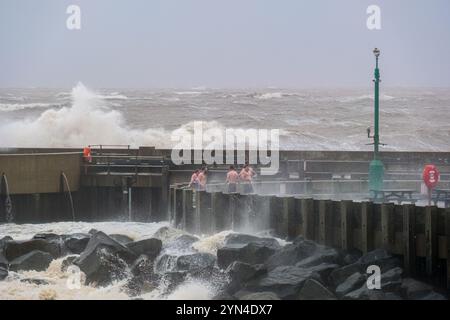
(223, 43)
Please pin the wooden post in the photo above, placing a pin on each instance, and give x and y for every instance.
(173, 205)
(232, 210)
(447, 232)
(325, 237)
(346, 228)
(387, 225)
(430, 240)
(366, 227)
(170, 205)
(286, 213)
(409, 239)
(307, 210)
(178, 212)
(294, 219)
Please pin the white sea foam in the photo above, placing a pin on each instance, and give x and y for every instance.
(21, 106)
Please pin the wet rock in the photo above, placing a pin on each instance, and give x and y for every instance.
(196, 261)
(365, 293)
(47, 236)
(104, 259)
(350, 257)
(3, 273)
(293, 253)
(68, 261)
(434, 296)
(172, 279)
(381, 258)
(3, 262)
(150, 247)
(352, 283)
(166, 262)
(413, 289)
(239, 273)
(144, 278)
(36, 281)
(243, 272)
(92, 231)
(391, 296)
(260, 296)
(391, 280)
(77, 242)
(34, 260)
(246, 248)
(241, 239)
(314, 290)
(184, 241)
(321, 255)
(123, 239)
(339, 275)
(223, 296)
(285, 281)
(15, 249)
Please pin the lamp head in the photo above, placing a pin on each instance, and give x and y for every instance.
(376, 52)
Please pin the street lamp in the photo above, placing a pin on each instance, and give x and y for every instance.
(376, 167)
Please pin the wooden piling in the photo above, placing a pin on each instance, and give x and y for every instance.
(447, 233)
(387, 225)
(366, 227)
(288, 209)
(325, 236)
(430, 240)
(346, 210)
(409, 239)
(307, 212)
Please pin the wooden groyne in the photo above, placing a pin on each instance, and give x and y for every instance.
(420, 236)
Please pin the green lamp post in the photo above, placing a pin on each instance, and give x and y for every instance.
(376, 168)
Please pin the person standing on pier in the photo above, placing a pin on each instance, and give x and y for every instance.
(195, 184)
(202, 179)
(232, 180)
(246, 176)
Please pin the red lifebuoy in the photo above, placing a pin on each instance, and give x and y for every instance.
(431, 176)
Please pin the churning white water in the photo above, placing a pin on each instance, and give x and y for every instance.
(53, 283)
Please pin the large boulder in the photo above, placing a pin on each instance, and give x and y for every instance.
(104, 259)
(321, 255)
(285, 281)
(352, 283)
(260, 296)
(314, 290)
(143, 277)
(246, 248)
(3, 273)
(67, 262)
(34, 260)
(391, 280)
(185, 241)
(243, 272)
(413, 289)
(434, 296)
(380, 258)
(240, 273)
(295, 252)
(341, 274)
(195, 262)
(150, 247)
(123, 239)
(77, 242)
(364, 293)
(3, 262)
(14, 249)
